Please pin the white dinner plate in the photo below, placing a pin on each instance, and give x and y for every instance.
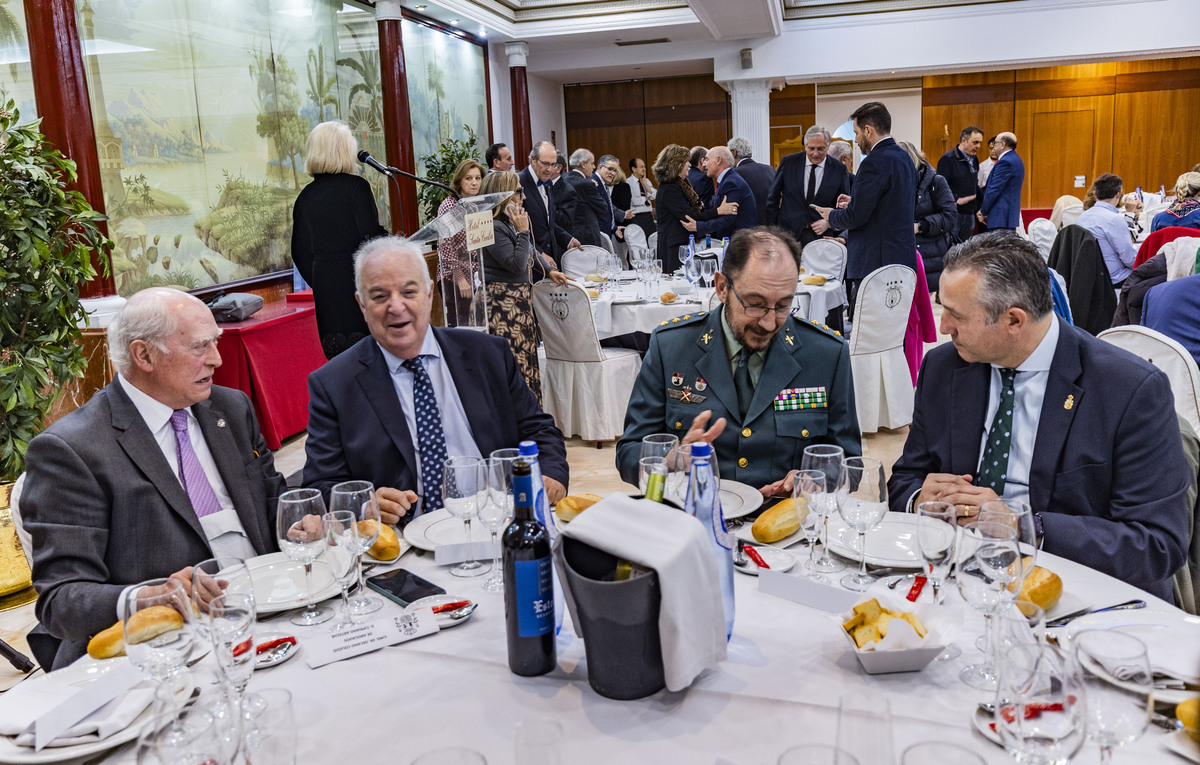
(279, 582)
(983, 722)
(80, 674)
(431, 530)
(443, 620)
(778, 560)
(1182, 744)
(738, 500)
(892, 543)
(626, 299)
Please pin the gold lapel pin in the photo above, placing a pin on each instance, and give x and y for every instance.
(706, 337)
(220, 423)
(1070, 402)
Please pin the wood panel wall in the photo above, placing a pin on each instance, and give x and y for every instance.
(793, 110)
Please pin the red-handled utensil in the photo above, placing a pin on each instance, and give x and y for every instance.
(451, 606)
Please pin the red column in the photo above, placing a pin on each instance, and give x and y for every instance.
(397, 121)
(60, 87)
(522, 137)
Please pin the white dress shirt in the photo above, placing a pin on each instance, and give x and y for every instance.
(819, 170)
(639, 198)
(1029, 390)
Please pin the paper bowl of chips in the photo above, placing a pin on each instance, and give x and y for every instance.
(891, 638)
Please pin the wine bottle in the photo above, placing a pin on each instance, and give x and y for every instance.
(704, 503)
(528, 592)
(545, 515)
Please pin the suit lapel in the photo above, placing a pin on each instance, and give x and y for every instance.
(227, 457)
(968, 409)
(375, 380)
(713, 364)
(1054, 424)
(780, 369)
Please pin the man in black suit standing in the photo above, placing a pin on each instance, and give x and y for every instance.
(960, 168)
(549, 235)
(808, 178)
(879, 217)
(757, 175)
(698, 175)
(593, 213)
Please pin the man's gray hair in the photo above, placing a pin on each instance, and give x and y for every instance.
(817, 130)
(839, 149)
(537, 147)
(387, 244)
(740, 146)
(721, 152)
(1011, 273)
(608, 158)
(151, 321)
(578, 157)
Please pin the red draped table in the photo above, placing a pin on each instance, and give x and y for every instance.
(269, 357)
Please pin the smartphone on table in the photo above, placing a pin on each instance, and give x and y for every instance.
(403, 586)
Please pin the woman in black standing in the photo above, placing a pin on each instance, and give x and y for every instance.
(677, 200)
(332, 216)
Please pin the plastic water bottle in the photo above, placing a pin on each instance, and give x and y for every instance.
(528, 452)
(1138, 193)
(724, 247)
(1162, 191)
(704, 502)
(707, 242)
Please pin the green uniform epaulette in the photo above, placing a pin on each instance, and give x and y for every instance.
(682, 321)
(822, 329)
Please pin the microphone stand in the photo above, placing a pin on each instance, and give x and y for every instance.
(392, 172)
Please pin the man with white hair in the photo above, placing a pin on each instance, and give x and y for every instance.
(730, 187)
(807, 178)
(158, 471)
(758, 175)
(397, 404)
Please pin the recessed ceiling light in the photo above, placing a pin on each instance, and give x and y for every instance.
(482, 32)
(453, 22)
(421, 7)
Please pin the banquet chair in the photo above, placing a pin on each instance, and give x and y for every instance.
(585, 388)
(606, 243)
(652, 241)
(635, 237)
(582, 261)
(883, 387)
(1149, 211)
(1042, 233)
(23, 536)
(1179, 366)
(826, 257)
(1071, 214)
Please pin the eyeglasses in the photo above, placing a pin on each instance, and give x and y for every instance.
(759, 311)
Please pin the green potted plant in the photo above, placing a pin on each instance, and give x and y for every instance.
(47, 236)
(440, 166)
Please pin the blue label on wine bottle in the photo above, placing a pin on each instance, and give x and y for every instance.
(535, 597)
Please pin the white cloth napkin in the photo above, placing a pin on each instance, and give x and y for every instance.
(691, 621)
(1174, 648)
(602, 312)
(108, 720)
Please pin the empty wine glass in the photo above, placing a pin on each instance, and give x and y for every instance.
(496, 512)
(808, 489)
(1116, 674)
(862, 503)
(937, 532)
(986, 565)
(462, 481)
(214, 577)
(864, 728)
(1018, 515)
(184, 732)
(233, 621)
(359, 498)
(298, 527)
(269, 728)
(341, 549)
(828, 459)
(708, 269)
(1040, 713)
(157, 641)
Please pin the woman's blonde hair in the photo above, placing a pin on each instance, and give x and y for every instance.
(499, 182)
(331, 148)
(460, 172)
(1188, 185)
(914, 154)
(670, 163)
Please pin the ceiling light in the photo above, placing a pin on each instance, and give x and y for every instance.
(422, 7)
(482, 32)
(453, 22)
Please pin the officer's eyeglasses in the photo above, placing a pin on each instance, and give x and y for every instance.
(758, 311)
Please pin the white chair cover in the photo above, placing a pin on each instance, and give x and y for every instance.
(606, 242)
(1071, 214)
(652, 241)
(883, 388)
(585, 388)
(1150, 210)
(581, 261)
(1042, 233)
(826, 257)
(24, 536)
(635, 237)
(1169, 356)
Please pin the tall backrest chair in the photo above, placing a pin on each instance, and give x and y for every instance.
(883, 387)
(581, 261)
(1042, 233)
(827, 257)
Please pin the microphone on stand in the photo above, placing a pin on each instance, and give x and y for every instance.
(365, 157)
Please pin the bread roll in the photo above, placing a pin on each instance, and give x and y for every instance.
(593, 294)
(1188, 713)
(669, 297)
(387, 545)
(778, 522)
(151, 622)
(1043, 587)
(815, 280)
(108, 644)
(572, 505)
(593, 278)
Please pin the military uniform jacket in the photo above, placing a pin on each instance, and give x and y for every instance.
(804, 396)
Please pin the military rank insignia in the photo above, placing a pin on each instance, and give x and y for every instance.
(677, 379)
(801, 398)
(701, 384)
(686, 396)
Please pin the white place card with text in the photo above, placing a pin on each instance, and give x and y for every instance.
(806, 592)
(363, 638)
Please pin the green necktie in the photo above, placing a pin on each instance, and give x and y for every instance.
(741, 381)
(993, 468)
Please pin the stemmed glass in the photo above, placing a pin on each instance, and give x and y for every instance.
(864, 728)
(986, 567)
(158, 652)
(1018, 515)
(232, 622)
(655, 272)
(359, 498)
(1116, 674)
(808, 487)
(462, 484)
(937, 532)
(708, 270)
(342, 545)
(662, 445)
(298, 527)
(1040, 710)
(496, 511)
(214, 577)
(828, 459)
(862, 503)
(196, 728)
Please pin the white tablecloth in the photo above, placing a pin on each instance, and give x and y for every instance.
(616, 313)
(780, 686)
(815, 302)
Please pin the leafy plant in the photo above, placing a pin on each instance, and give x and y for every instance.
(440, 166)
(47, 235)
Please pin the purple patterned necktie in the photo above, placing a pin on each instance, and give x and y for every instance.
(195, 482)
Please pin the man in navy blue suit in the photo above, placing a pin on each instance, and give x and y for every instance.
(698, 175)
(593, 212)
(1001, 206)
(1088, 435)
(731, 187)
(548, 233)
(807, 178)
(758, 175)
(878, 219)
(370, 416)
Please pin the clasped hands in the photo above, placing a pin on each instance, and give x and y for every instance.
(959, 491)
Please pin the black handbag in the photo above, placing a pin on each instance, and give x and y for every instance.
(236, 306)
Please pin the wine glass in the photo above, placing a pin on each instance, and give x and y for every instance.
(816, 754)
(862, 503)
(184, 732)
(939, 753)
(655, 271)
(214, 577)
(1040, 711)
(1025, 622)
(1116, 674)
(269, 729)
(342, 546)
(987, 552)
(496, 511)
(158, 641)
(462, 481)
(937, 532)
(298, 527)
(864, 728)
(708, 270)
(808, 487)
(359, 498)
(232, 624)
(828, 459)
(1018, 515)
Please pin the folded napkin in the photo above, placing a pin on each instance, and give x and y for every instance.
(1174, 648)
(691, 622)
(108, 720)
(602, 311)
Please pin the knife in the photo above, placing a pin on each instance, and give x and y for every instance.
(1126, 606)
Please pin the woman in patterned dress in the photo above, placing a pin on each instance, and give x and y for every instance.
(455, 277)
(510, 266)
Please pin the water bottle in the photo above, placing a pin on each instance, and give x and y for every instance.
(1137, 191)
(724, 247)
(703, 502)
(527, 577)
(1162, 191)
(528, 451)
(707, 242)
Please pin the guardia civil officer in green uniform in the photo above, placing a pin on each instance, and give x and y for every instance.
(754, 381)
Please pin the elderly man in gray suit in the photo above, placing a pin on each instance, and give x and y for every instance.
(157, 472)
